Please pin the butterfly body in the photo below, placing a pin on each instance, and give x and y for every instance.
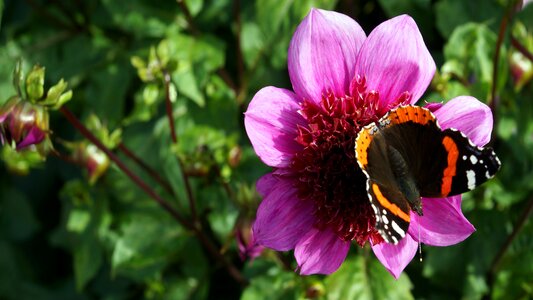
(406, 156)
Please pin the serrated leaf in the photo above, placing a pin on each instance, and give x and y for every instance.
(365, 278)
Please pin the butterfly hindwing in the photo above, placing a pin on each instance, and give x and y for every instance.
(391, 211)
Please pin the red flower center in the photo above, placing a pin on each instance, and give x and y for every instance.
(327, 168)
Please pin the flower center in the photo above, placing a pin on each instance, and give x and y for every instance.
(327, 168)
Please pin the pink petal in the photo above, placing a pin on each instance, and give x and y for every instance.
(320, 252)
(322, 54)
(443, 223)
(396, 257)
(35, 136)
(394, 59)
(468, 115)
(282, 218)
(271, 124)
(265, 184)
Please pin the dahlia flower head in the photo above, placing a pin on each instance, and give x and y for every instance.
(315, 200)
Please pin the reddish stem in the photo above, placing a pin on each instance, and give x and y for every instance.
(208, 245)
(146, 168)
(521, 48)
(136, 179)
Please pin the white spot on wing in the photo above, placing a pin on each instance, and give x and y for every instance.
(471, 179)
(385, 220)
(398, 229)
(464, 157)
(473, 159)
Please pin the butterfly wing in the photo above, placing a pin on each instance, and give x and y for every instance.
(391, 210)
(390, 205)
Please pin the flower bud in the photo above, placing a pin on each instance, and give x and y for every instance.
(93, 159)
(22, 124)
(248, 248)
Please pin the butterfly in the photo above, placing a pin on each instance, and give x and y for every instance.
(406, 155)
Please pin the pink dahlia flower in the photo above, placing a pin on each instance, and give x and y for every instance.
(315, 199)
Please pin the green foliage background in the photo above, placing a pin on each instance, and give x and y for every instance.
(63, 238)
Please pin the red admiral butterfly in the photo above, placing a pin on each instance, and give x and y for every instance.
(406, 155)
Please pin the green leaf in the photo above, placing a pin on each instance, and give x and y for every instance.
(106, 92)
(365, 278)
(469, 55)
(454, 13)
(146, 245)
(271, 282)
(87, 261)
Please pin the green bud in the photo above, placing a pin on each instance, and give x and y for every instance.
(35, 83)
(57, 96)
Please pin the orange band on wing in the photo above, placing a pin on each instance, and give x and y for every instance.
(410, 113)
(388, 205)
(450, 171)
(361, 146)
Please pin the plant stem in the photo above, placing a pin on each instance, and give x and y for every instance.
(495, 62)
(136, 179)
(212, 249)
(521, 48)
(208, 245)
(146, 168)
(174, 137)
(168, 105)
(188, 17)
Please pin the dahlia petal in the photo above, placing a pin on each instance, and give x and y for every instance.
(394, 59)
(320, 252)
(396, 257)
(265, 184)
(282, 218)
(322, 54)
(443, 223)
(35, 136)
(468, 115)
(271, 124)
